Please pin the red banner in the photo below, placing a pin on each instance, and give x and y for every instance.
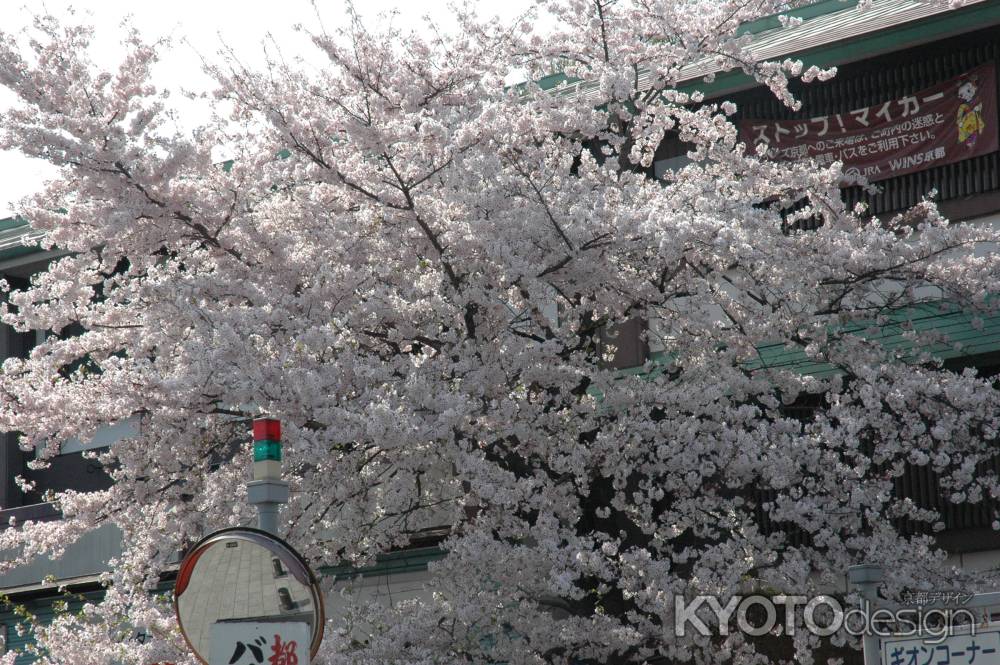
(947, 123)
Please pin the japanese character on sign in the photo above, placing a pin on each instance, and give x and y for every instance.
(254, 647)
(974, 648)
(910, 105)
(884, 112)
(795, 152)
(861, 115)
(282, 653)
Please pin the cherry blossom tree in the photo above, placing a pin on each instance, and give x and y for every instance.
(415, 267)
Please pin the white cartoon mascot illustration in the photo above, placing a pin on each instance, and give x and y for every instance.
(970, 111)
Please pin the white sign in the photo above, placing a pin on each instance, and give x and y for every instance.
(980, 647)
(260, 642)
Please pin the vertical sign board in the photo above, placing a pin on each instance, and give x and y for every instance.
(260, 642)
(978, 647)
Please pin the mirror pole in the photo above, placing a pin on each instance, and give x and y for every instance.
(267, 491)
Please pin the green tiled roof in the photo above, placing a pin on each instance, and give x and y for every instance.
(962, 339)
(851, 36)
(832, 32)
(14, 232)
(809, 11)
(9, 223)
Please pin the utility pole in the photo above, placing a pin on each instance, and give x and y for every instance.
(267, 490)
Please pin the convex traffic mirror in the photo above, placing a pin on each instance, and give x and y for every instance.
(237, 578)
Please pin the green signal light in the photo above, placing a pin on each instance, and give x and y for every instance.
(266, 450)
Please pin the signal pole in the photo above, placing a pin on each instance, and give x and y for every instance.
(267, 491)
